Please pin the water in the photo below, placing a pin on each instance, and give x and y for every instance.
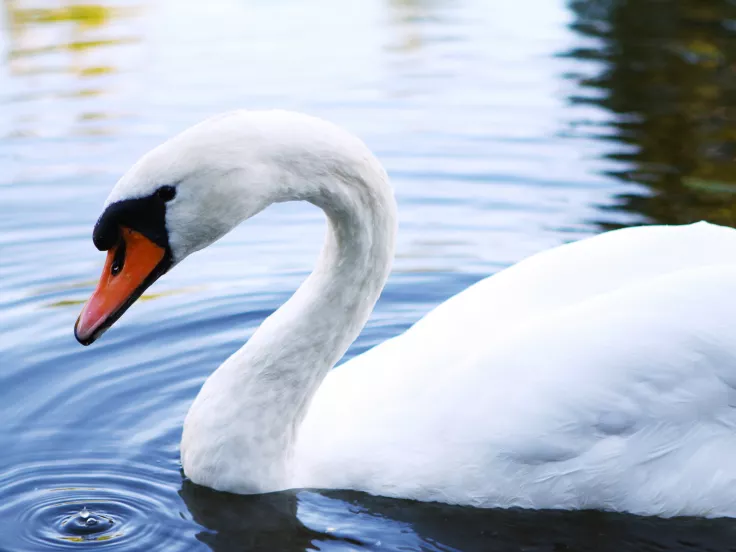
(507, 128)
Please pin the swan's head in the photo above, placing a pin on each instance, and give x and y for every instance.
(193, 189)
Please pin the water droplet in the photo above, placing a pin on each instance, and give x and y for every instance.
(85, 523)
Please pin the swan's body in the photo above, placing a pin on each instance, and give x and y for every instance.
(600, 374)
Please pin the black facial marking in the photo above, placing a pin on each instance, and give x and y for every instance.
(146, 215)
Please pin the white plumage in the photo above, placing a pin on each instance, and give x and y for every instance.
(600, 374)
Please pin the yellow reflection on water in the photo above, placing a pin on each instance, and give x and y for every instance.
(66, 50)
(90, 538)
(144, 297)
(91, 14)
(73, 27)
(90, 284)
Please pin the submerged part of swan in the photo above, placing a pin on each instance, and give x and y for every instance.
(599, 374)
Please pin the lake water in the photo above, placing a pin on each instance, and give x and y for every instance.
(507, 128)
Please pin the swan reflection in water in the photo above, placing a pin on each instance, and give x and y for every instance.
(347, 520)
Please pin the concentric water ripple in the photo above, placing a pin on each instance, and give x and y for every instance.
(104, 502)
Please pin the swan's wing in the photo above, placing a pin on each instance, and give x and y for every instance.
(627, 401)
(607, 395)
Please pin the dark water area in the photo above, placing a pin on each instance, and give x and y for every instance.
(507, 128)
(665, 75)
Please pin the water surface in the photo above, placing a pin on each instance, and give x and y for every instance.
(507, 128)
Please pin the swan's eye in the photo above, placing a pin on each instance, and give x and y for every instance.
(166, 193)
(119, 259)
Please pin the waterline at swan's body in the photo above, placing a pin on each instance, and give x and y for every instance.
(601, 374)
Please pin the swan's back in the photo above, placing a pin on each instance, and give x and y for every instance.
(580, 270)
(598, 374)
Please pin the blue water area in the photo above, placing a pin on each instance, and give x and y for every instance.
(506, 128)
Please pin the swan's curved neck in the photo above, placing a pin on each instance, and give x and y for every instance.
(250, 409)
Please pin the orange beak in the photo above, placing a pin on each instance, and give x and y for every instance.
(131, 267)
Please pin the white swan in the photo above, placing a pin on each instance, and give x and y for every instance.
(600, 374)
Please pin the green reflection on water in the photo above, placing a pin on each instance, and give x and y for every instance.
(665, 70)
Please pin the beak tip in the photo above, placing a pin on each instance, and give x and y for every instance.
(83, 337)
